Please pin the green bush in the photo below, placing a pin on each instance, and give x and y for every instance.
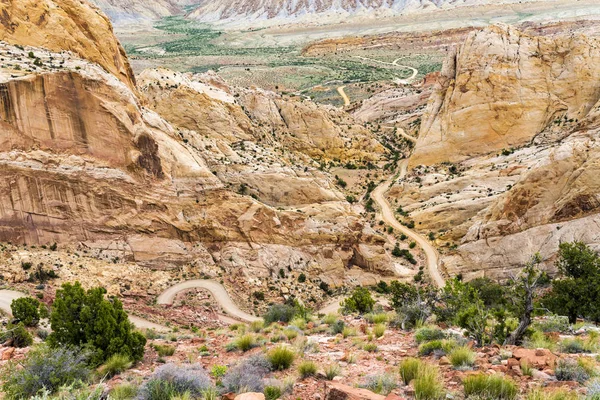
(338, 327)
(86, 318)
(462, 357)
(281, 358)
(26, 310)
(443, 346)
(427, 334)
(573, 346)
(379, 330)
(272, 392)
(331, 371)
(409, 369)
(486, 387)
(381, 384)
(164, 350)
(245, 342)
(428, 384)
(45, 368)
(556, 394)
(359, 301)
(16, 336)
(306, 369)
(571, 370)
(124, 391)
(279, 313)
(115, 364)
(370, 347)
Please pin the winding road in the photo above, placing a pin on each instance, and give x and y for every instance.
(405, 81)
(344, 95)
(218, 292)
(431, 254)
(225, 301)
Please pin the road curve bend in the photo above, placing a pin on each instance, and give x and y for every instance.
(431, 254)
(216, 289)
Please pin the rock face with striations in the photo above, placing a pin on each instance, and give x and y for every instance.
(503, 89)
(83, 161)
(495, 209)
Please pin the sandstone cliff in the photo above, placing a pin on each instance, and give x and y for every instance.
(84, 163)
(503, 88)
(492, 210)
(71, 25)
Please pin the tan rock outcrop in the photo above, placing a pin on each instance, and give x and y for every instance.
(503, 88)
(70, 25)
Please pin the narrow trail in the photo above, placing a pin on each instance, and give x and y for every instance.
(431, 254)
(216, 289)
(405, 81)
(344, 95)
(226, 302)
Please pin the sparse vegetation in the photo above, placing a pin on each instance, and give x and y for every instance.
(488, 387)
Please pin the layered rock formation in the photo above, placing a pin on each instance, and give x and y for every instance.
(70, 25)
(492, 212)
(83, 161)
(503, 89)
(130, 11)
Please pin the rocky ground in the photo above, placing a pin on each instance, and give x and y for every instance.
(357, 356)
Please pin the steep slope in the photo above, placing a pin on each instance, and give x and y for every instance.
(70, 25)
(491, 209)
(85, 164)
(503, 89)
(127, 11)
(271, 12)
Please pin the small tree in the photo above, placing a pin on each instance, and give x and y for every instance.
(576, 292)
(26, 310)
(359, 301)
(524, 287)
(81, 318)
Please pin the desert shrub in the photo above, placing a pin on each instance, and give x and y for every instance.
(115, 364)
(370, 347)
(348, 331)
(409, 369)
(272, 392)
(331, 371)
(443, 346)
(247, 376)
(553, 323)
(299, 323)
(281, 358)
(16, 336)
(82, 317)
(279, 313)
(556, 394)
(75, 391)
(26, 310)
(428, 384)
(124, 391)
(164, 350)
(538, 340)
(46, 368)
(572, 346)
(218, 371)
(380, 383)
(462, 357)
(257, 326)
(379, 330)
(571, 370)
(593, 389)
(359, 301)
(330, 319)
(172, 380)
(307, 368)
(494, 387)
(379, 318)
(291, 333)
(428, 333)
(526, 368)
(338, 327)
(245, 342)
